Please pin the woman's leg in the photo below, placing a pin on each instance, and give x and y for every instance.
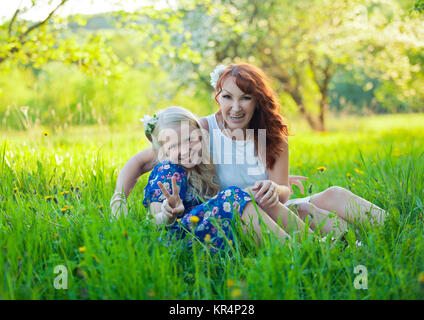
(321, 218)
(251, 217)
(348, 205)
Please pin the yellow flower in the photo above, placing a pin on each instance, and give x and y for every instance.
(348, 175)
(194, 219)
(125, 233)
(421, 278)
(100, 207)
(64, 209)
(82, 249)
(48, 198)
(298, 165)
(322, 169)
(45, 133)
(15, 190)
(207, 238)
(359, 171)
(178, 220)
(151, 293)
(236, 293)
(230, 283)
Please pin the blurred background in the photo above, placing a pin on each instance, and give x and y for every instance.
(70, 62)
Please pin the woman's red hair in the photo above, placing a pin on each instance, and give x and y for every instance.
(252, 80)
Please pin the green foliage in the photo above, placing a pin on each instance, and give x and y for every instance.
(346, 56)
(419, 6)
(125, 259)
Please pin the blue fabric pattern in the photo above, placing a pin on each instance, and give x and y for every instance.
(215, 216)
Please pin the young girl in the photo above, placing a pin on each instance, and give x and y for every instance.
(182, 178)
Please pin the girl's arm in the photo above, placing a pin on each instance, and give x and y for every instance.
(137, 165)
(160, 215)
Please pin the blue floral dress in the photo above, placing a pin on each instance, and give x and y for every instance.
(215, 216)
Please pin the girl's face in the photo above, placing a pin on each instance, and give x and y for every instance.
(236, 106)
(181, 146)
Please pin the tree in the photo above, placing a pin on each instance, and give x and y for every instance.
(33, 44)
(419, 6)
(301, 44)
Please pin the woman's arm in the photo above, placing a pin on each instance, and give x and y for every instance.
(137, 165)
(276, 188)
(280, 174)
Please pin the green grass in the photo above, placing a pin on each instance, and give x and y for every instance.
(384, 157)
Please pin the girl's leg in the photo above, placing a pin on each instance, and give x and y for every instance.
(281, 214)
(252, 217)
(319, 217)
(348, 205)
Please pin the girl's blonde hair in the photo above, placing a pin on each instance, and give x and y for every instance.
(201, 178)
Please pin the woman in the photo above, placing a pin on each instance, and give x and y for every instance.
(246, 101)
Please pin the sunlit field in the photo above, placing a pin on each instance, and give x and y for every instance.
(54, 204)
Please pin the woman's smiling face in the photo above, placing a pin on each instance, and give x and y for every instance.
(237, 107)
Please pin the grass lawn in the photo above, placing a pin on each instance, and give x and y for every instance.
(54, 211)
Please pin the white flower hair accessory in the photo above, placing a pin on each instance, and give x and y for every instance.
(149, 123)
(216, 74)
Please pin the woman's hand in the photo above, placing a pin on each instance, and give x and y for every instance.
(173, 204)
(267, 193)
(297, 181)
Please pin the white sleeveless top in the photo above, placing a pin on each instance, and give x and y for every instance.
(235, 161)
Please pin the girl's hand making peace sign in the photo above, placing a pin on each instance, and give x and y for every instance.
(172, 205)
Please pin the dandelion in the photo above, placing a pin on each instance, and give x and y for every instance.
(100, 207)
(15, 190)
(359, 171)
(151, 293)
(194, 220)
(45, 133)
(421, 278)
(322, 169)
(82, 249)
(230, 283)
(125, 234)
(348, 175)
(48, 198)
(178, 220)
(236, 293)
(207, 237)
